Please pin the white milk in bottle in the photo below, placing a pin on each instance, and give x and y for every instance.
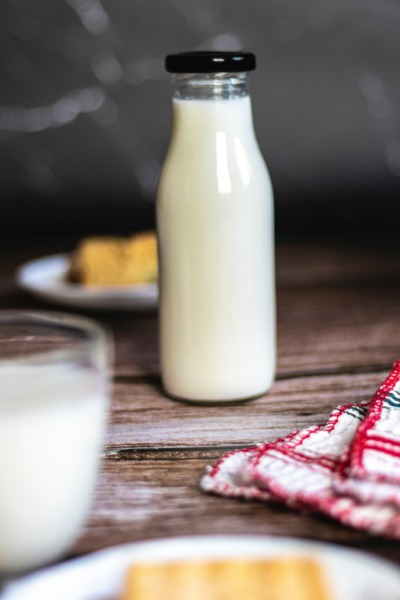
(216, 244)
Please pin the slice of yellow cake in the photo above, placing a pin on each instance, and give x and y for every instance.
(285, 578)
(114, 261)
(141, 258)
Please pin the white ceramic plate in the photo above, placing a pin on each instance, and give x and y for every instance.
(353, 575)
(46, 279)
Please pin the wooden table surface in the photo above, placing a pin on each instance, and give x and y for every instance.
(338, 334)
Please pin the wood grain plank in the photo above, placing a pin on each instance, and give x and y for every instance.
(141, 416)
(338, 330)
(340, 261)
(156, 496)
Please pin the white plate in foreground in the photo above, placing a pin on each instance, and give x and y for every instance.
(46, 278)
(353, 575)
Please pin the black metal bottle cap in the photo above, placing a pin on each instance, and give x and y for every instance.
(210, 62)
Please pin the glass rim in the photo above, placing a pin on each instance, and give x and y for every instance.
(97, 334)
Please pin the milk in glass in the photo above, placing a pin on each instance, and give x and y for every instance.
(51, 428)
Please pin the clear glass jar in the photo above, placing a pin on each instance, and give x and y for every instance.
(216, 242)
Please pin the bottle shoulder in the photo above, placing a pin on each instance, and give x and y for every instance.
(213, 147)
(231, 181)
(216, 151)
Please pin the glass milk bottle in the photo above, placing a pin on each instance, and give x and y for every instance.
(215, 232)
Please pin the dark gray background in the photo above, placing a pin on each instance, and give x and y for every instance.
(85, 107)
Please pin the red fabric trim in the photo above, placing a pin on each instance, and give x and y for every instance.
(373, 415)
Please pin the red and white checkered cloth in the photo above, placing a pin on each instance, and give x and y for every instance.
(348, 468)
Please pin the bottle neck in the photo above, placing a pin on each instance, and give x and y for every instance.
(210, 86)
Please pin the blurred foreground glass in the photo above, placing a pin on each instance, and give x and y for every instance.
(54, 395)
